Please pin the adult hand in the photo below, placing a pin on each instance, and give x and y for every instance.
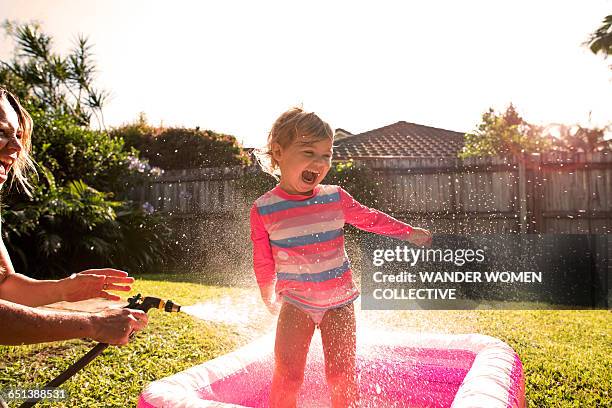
(114, 326)
(420, 237)
(94, 283)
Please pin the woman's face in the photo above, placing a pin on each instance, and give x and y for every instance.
(10, 138)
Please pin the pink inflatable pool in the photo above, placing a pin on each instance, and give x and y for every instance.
(418, 370)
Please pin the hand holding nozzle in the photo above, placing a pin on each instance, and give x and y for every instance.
(116, 326)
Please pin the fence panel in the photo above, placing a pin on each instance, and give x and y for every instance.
(558, 193)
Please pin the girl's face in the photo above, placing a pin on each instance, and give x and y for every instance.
(10, 138)
(303, 164)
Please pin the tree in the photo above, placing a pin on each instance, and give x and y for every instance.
(509, 135)
(78, 216)
(600, 42)
(73, 227)
(576, 138)
(503, 134)
(61, 85)
(60, 95)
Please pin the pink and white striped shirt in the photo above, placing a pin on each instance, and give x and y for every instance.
(298, 241)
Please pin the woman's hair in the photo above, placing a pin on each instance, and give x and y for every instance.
(291, 124)
(24, 162)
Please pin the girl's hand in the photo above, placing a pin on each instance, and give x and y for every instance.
(273, 306)
(94, 283)
(420, 237)
(269, 298)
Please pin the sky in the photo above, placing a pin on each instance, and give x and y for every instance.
(234, 66)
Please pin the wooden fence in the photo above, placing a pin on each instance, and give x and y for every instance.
(194, 192)
(551, 193)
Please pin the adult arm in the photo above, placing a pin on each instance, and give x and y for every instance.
(26, 325)
(21, 289)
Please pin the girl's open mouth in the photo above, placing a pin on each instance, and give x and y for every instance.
(309, 177)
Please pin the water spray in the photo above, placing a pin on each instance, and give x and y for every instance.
(136, 302)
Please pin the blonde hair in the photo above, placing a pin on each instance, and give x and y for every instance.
(24, 162)
(286, 129)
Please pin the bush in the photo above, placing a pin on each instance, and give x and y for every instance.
(182, 148)
(356, 180)
(254, 184)
(72, 152)
(67, 229)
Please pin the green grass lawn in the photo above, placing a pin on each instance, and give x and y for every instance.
(566, 354)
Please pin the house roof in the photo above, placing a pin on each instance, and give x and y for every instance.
(340, 130)
(401, 139)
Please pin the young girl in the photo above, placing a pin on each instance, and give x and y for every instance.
(300, 260)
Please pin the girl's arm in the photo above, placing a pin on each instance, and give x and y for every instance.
(369, 219)
(263, 262)
(372, 220)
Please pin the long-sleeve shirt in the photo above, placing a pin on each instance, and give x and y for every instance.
(298, 241)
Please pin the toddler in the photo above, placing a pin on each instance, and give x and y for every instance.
(299, 258)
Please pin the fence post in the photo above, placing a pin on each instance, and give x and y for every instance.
(587, 176)
(522, 182)
(535, 192)
(601, 247)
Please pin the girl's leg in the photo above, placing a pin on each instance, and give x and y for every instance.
(293, 334)
(339, 346)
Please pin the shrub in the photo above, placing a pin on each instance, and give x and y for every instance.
(182, 148)
(72, 152)
(66, 229)
(254, 183)
(356, 180)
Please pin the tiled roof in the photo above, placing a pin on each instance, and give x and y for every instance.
(401, 139)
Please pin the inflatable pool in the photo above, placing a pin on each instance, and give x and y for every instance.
(407, 370)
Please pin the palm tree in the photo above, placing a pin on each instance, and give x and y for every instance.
(601, 40)
(61, 84)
